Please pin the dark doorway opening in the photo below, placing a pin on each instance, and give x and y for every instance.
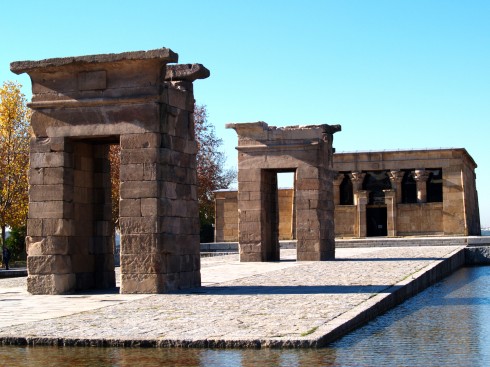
(376, 221)
(279, 212)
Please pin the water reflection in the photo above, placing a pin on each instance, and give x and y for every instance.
(447, 325)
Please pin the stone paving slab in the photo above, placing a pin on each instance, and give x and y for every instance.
(280, 304)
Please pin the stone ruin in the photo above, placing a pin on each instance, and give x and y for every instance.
(82, 105)
(264, 151)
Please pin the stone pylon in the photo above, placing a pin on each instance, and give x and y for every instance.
(81, 105)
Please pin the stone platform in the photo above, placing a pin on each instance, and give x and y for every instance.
(279, 304)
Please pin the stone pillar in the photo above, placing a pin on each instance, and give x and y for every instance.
(314, 214)
(390, 201)
(362, 201)
(50, 224)
(337, 181)
(357, 179)
(396, 178)
(421, 176)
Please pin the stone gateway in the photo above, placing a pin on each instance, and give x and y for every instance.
(81, 105)
(264, 151)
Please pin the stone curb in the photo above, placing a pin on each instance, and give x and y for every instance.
(13, 273)
(391, 297)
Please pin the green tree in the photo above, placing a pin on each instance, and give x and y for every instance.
(14, 157)
(211, 174)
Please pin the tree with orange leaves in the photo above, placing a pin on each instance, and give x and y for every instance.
(14, 157)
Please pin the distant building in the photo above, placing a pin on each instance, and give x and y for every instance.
(386, 193)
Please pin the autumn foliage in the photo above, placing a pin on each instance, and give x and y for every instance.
(14, 157)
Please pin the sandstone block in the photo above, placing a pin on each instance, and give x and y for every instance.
(34, 227)
(139, 189)
(140, 156)
(130, 208)
(131, 172)
(143, 283)
(50, 209)
(138, 141)
(139, 243)
(49, 264)
(53, 159)
(130, 225)
(50, 192)
(36, 246)
(51, 283)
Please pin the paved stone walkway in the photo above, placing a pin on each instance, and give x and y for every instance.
(285, 303)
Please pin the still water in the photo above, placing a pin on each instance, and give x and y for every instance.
(446, 325)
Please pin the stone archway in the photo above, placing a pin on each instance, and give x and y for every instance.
(80, 106)
(262, 152)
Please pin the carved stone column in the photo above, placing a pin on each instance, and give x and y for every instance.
(356, 178)
(396, 178)
(362, 200)
(421, 176)
(337, 181)
(390, 201)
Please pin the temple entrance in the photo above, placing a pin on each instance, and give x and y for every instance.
(376, 221)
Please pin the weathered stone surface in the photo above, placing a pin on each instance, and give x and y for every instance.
(81, 105)
(189, 72)
(51, 283)
(263, 152)
(49, 264)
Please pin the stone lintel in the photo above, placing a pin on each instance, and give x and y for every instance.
(164, 54)
(187, 72)
(261, 131)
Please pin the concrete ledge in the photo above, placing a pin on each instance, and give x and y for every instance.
(371, 242)
(477, 255)
(13, 273)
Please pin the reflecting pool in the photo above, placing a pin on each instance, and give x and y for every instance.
(446, 325)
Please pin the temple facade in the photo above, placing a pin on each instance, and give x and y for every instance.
(387, 193)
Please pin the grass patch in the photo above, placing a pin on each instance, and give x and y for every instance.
(311, 331)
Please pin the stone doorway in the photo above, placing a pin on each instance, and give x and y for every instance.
(263, 151)
(376, 220)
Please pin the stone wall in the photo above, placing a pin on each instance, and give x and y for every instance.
(287, 224)
(457, 214)
(420, 219)
(226, 224)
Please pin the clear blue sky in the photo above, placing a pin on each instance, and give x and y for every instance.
(394, 74)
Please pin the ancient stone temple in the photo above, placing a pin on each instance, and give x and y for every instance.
(406, 193)
(386, 194)
(263, 152)
(82, 105)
